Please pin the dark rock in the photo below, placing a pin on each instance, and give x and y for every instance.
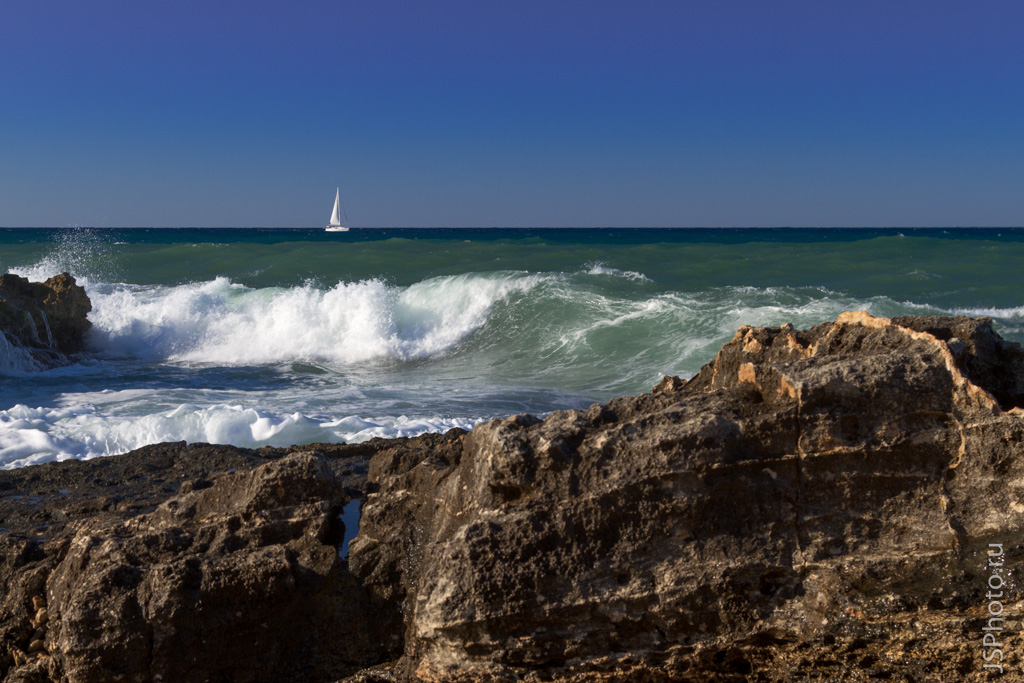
(49, 318)
(188, 562)
(814, 505)
(183, 593)
(224, 583)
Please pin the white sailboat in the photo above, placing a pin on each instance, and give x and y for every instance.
(335, 224)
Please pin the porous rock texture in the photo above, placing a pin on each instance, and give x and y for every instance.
(157, 567)
(819, 505)
(813, 505)
(47, 318)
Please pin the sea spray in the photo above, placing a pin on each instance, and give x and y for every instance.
(259, 337)
(220, 362)
(352, 322)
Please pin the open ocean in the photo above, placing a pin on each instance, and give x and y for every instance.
(275, 337)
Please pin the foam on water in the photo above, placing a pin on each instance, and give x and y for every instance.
(220, 323)
(602, 269)
(257, 359)
(1015, 313)
(449, 335)
(15, 361)
(225, 323)
(31, 436)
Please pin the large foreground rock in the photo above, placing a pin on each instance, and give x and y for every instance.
(816, 505)
(844, 503)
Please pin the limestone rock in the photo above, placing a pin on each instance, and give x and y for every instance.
(237, 578)
(812, 504)
(828, 504)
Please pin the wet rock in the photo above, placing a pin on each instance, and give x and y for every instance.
(48, 319)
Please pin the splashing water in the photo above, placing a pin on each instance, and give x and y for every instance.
(279, 337)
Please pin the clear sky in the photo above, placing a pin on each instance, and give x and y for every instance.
(524, 113)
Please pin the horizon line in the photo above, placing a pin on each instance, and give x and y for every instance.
(520, 227)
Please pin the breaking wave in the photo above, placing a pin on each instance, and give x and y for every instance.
(226, 323)
(255, 360)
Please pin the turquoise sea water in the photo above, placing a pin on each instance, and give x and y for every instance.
(280, 336)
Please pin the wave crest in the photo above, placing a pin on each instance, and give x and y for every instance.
(226, 323)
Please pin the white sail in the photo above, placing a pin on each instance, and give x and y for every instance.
(336, 214)
(335, 224)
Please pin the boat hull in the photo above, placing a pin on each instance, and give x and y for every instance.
(335, 228)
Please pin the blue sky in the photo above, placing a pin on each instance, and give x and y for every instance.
(558, 113)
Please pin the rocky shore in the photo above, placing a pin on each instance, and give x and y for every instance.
(844, 503)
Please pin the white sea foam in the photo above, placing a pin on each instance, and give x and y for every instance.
(602, 269)
(220, 362)
(15, 360)
(225, 323)
(1009, 313)
(35, 435)
(220, 323)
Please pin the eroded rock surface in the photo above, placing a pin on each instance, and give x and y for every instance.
(184, 563)
(814, 504)
(819, 505)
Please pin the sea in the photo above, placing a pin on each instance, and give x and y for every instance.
(257, 337)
